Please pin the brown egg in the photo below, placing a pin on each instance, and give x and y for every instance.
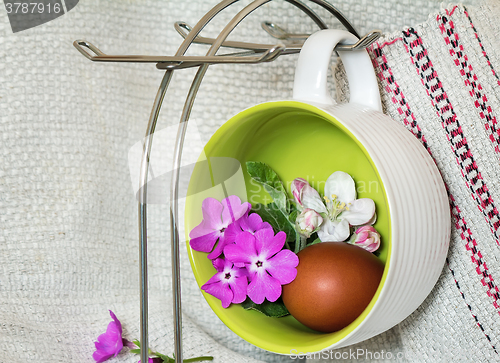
(334, 284)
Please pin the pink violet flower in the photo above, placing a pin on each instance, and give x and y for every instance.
(367, 238)
(109, 344)
(217, 216)
(230, 235)
(229, 285)
(269, 265)
(248, 223)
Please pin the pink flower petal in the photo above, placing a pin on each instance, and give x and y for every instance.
(361, 236)
(263, 239)
(117, 322)
(253, 223)
(296, 188)
(239, 287)
(215, 279)
(220, 290)
(110, 343)
(218, 264)
(232, 231)
(204, 243)
(244, 223)
(201, 229)
(366, 229)
(233, 209)
(219, 248)
(283, 266)
(373, 247)
(267, 244)
(242, 250)
(263, 286)
(101, 356)
(212, 211)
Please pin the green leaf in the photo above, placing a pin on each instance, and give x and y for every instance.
(271, 182)
(317, 240)
(293, 216)
(165, 358)
(135, 351)
(271, 214)
(137, 342)
(273, 309)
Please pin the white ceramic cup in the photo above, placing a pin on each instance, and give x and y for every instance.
(417, 198)
(414, 201)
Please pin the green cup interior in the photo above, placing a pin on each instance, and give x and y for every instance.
(296, 140)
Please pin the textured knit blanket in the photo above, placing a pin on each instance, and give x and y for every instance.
(68, 212)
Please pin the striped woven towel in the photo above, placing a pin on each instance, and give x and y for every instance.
(440, 81)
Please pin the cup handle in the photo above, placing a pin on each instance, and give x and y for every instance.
(310, 83)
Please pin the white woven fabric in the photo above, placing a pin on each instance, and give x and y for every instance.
(68, 215)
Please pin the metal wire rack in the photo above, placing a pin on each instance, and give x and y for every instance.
(249, 53)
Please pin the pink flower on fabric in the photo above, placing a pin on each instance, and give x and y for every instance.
(217, 216)
(110, 343)
(267, 264)
(229, 284)
(367, 238)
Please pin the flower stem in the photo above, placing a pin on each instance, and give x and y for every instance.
(297, 242)
(300, 243)
(198, 359)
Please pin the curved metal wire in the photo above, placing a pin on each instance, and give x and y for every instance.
(144, 172)
(181, 133)
(338, 14)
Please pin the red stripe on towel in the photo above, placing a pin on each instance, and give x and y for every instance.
(384, 72)
(439, 99)
(481, 45)
(471, 82)
(465, 159)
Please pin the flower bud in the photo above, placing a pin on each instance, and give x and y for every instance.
(308, 222)
(367, 238)
(297, 185)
